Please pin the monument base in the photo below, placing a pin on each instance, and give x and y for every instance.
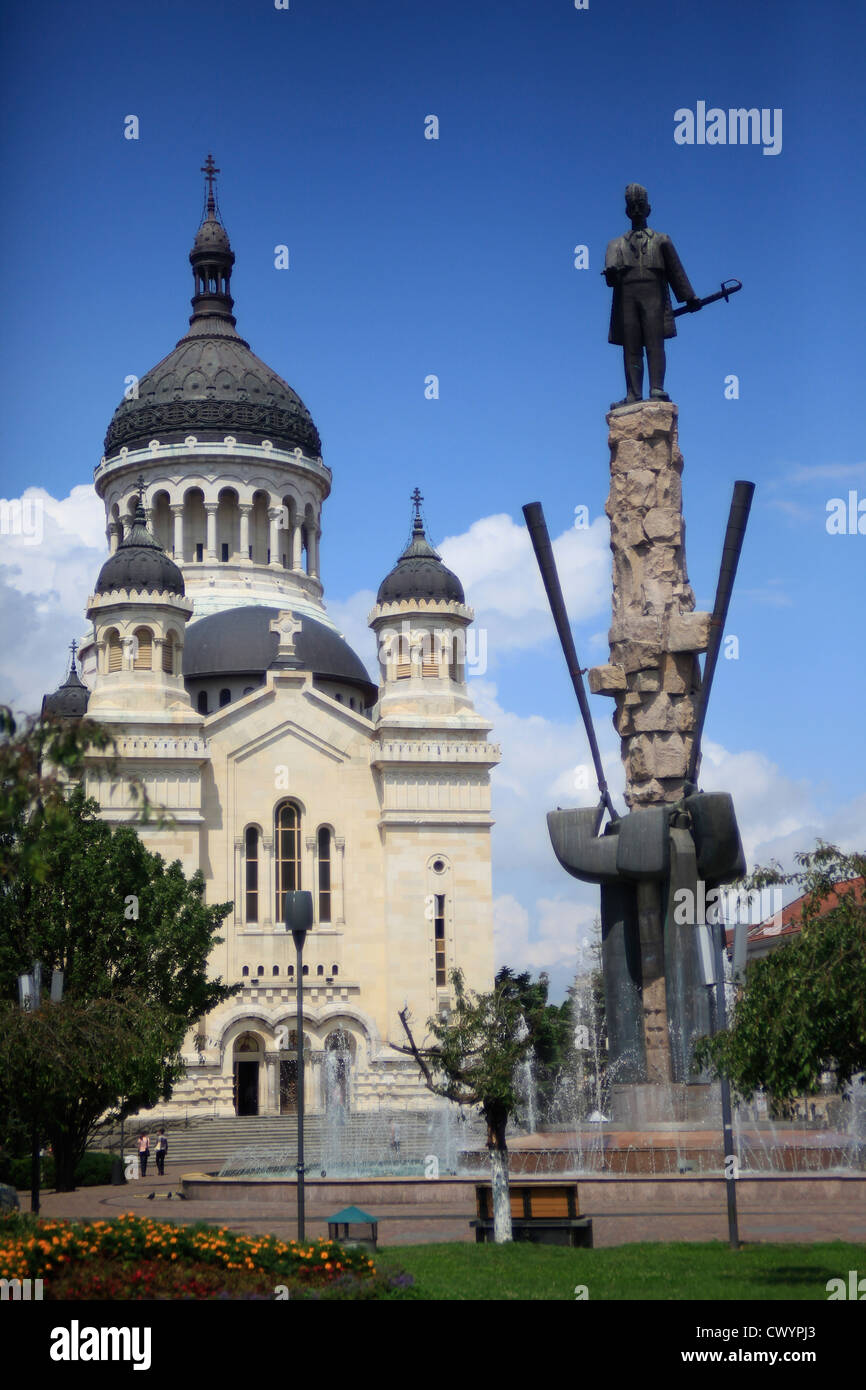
(643, 1106)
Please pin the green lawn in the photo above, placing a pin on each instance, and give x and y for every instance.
(646, 1271)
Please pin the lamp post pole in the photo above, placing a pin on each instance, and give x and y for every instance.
(711, 943)
(299, 919)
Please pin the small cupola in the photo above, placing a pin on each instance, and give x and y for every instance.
(69, 700)
(139, 562)
(419, 573)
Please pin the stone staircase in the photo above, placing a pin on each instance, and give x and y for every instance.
(204, 1145)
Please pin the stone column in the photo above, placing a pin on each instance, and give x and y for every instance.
(245, 509)
(653, 673)
(309, 873)
(266, 916)
(297, 543)
(313, 553)
(177, 514)
(239, 885)
(274, 517)
(113, 532)
(338, 864)
(211, 510)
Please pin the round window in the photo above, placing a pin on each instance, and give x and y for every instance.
(439, 866)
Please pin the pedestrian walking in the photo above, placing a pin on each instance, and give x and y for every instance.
(143, 1152)
(161, 1151)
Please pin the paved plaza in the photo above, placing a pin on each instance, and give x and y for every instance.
(623, 1210)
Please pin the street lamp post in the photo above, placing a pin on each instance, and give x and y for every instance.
(30, 999)
(299, 919)
(711, 937)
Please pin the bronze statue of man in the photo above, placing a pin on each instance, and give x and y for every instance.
(642, 267)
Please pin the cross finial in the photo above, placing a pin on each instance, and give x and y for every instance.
(139, 483)
(73, 647)
(209, 169)
(416, 500)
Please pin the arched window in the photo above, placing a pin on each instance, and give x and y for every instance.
(276, 970)
(320, 969)
(251, 874)
(202, 702)
(324, 856)
(260, 971)
(143, 648)
(246, 970)
(334, 970)
(287, 854)
(115, 651)
(430, 654)
(168, 654)
(225, 698)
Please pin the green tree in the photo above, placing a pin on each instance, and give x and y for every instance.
(128, 931)
(550, 1025)
(473, 1061)
(802, 1010)
(37, 761)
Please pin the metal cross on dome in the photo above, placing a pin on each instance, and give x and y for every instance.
(416, 499)
(209, 169)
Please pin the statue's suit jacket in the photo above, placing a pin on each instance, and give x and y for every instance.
(661, 258)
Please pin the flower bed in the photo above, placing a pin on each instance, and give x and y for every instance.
(133, 1258)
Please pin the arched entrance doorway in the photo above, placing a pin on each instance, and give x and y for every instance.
(289, 1073)
(338, 1071)
(247, 1063)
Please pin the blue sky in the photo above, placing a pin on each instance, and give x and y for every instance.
(455, 257)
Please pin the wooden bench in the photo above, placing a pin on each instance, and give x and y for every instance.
(543, 1212)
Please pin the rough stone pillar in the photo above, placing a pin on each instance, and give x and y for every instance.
(653, 673)
(656, 635)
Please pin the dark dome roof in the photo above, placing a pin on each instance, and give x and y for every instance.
(239, 641)
(69, 700)
(212, 386)
(211, 235)
(140, 562)
(420, 573)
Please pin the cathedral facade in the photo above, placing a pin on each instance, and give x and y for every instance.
(279, 763)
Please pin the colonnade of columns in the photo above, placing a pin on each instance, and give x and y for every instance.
(258, 532)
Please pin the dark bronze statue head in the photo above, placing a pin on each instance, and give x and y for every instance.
(637, 202)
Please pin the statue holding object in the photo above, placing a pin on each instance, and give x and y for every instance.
(642, 267)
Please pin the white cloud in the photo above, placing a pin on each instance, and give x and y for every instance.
(350, 616)
(48, 566)
(496, 564)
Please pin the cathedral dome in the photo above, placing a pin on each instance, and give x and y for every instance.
(419, 573)
(140, 562)
(242, 641)
(211, 384)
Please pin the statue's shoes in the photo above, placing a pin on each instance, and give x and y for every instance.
(657, 395)
(629, 400)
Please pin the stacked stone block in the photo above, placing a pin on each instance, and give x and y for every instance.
(656, 635)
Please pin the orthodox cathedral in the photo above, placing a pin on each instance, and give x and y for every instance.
(252, 723)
